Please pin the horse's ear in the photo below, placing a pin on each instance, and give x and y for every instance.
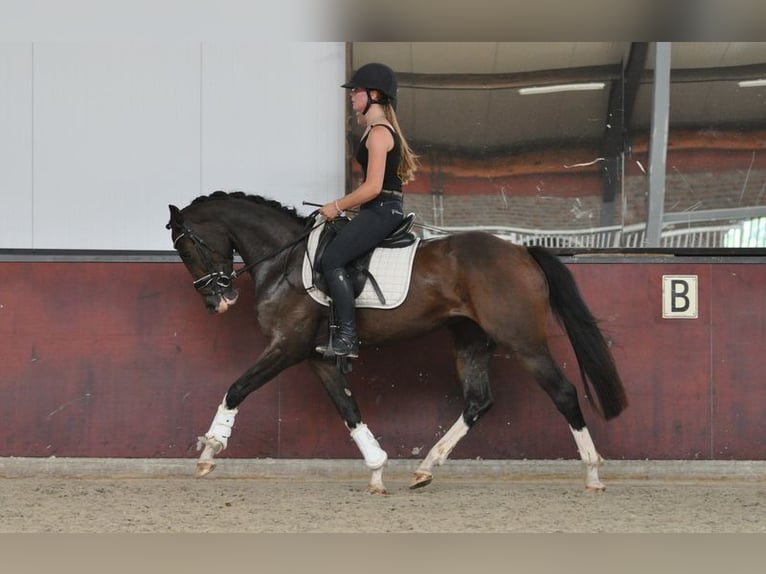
(176, 219)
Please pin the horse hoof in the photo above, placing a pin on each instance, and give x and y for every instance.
(376, 489)
(204, 468)
(421, 479)
(595, 488)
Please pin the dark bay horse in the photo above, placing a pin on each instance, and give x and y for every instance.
(484, 290)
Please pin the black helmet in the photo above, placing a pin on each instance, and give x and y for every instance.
(375, 76)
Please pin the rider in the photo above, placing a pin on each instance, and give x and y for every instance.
(387, 162)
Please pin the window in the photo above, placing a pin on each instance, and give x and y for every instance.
(550, 143)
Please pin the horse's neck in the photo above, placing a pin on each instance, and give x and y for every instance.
(255, 242)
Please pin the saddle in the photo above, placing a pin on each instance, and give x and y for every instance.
(359, 269)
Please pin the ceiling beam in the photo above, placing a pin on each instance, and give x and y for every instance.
(508, 80)
(605, 73)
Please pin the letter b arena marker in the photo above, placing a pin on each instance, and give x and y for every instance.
(679, 296)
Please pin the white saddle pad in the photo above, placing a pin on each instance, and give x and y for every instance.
(390, 267)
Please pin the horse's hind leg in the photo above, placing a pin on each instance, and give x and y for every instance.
(339, 390)
(474, 351)
(564, 396)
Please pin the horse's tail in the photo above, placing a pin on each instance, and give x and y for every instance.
(591, 349)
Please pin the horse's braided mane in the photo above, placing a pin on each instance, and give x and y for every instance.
(216, 195)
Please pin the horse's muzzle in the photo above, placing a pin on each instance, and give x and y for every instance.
(220, 302)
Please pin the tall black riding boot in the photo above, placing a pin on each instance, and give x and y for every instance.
(344, 341)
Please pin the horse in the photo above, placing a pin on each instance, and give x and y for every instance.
(485, 291)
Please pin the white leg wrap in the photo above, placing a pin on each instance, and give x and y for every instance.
(374, 456)
(585, 446)
(590, 457)
(220, 429)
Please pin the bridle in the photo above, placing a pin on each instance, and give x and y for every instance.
(220, 280)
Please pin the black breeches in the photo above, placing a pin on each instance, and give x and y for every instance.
(374, 222)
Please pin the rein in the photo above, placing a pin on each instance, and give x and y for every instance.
(237, 272)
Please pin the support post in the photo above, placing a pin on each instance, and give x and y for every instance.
(658, 144)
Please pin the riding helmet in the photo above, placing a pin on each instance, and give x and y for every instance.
(375, 76)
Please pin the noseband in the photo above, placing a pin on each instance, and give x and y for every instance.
(217, 278)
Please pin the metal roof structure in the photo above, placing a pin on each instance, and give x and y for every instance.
(467, 95)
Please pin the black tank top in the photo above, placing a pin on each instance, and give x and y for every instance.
(391, 181)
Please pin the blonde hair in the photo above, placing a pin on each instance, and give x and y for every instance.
(409, 163)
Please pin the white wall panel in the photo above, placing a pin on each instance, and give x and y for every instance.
(97, 139)
(272, 121)
(16, 145)
(116, 135)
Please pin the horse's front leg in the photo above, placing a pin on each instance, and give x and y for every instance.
(339, 390)
(215, 439)
(271, 362)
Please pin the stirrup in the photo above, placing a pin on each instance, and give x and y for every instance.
(328, 352)
(325, 351)
(342, 362)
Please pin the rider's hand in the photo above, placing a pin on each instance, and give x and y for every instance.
(330, 211)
